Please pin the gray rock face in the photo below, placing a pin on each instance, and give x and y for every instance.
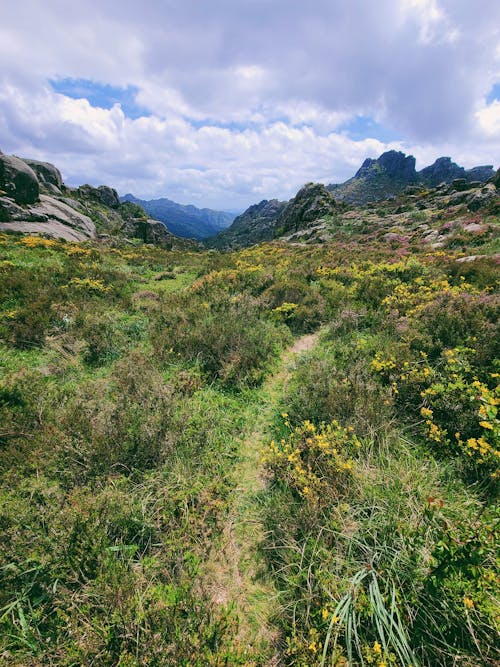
(103, 194)
(481, 198)
(108, 196)
(392, 164)
(393, 172)
(481, 173)
(18, 180)
(311, 203)
(50, 217)
(397, 165)
(46, 172)
(53, 229)
(10, 212)
(443, 170)
(149, 231)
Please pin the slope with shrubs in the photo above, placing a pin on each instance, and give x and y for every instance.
(388, 456)
(130, 376)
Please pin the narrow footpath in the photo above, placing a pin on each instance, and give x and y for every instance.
(235, 575)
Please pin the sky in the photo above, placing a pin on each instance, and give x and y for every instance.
(223, 103)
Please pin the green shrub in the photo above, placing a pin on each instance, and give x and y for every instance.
(326, 387)
(103, 338)
(116, 425)
(227, 337)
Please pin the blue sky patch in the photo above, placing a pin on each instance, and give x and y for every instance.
(494, 94)
(101, 95)
(361, 127)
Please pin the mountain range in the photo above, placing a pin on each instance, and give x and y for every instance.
(386, 177)
(184, 220)
(34, 199)
(389, 174)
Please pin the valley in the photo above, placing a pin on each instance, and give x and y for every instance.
(282, 450)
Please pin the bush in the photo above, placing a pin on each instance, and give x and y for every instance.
(104, 340)
(313, 462)
(326, 386)
(227, 337)
(116, 425)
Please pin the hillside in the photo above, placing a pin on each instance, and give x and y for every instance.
(415, 213)
(389, 174)
(184, 220)
(34, 200)
(286, 454)
(256, 224)
(448, 216)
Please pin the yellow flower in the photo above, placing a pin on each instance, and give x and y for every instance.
(486, 425)
(468, 602)
(377, 648)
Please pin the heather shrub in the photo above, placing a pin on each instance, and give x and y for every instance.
(103, 340)
(310, 304)
(227, 337)
(452, 320)
(117, 424)
(330, 384)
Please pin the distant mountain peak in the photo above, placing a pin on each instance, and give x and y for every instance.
(392, 171)
(184, 220)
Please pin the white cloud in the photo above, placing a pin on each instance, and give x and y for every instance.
(247, 99)
(489, 119)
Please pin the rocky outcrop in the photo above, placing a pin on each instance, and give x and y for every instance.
(17, 180)
(445, 171)
(393, 172)
(481, 173)
(311, 204)
(103, 194)
(149, 231)
(50, 217)
(377, 179)
(48, 176)
(34, 200)
(394, 164)
(255, 225)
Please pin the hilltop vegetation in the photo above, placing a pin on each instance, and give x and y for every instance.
(181, 486)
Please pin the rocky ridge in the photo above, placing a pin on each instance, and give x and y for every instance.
(455, 215)
(34, 200)
(388, 175)
(391, 177)
(312, 203)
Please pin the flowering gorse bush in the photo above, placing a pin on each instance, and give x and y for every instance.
(314, 462)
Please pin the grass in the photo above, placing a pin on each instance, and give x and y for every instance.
(138, 390)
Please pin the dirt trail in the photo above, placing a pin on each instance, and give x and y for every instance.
(235, 573)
